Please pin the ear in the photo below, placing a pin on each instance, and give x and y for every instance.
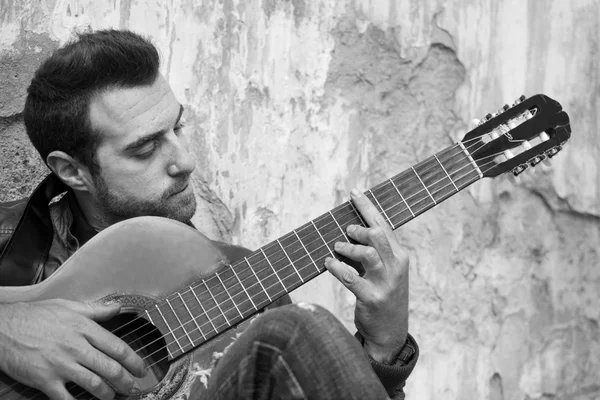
(72, 172)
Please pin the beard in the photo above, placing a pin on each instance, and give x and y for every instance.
(171, 204)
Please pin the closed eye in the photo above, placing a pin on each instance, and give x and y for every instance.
(147, 149)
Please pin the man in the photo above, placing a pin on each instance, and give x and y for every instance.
(109, 128)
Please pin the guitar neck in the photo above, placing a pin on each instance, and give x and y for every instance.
(238, 291)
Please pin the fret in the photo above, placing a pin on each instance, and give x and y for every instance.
(237, 292)
(259, 282)
(162, 328)
(434, 178)
(216, 302)
(362, 221)
(425, 186)
(446, 172)
(168, 327)
(459, 167)
(243, 287)
(281, 262)
(229, 294)
(290, 260)
(274, 271)
(402, 197)
(267, 275)
(323, 239)
(398, 208)
(201, 317)
(471, 159)
(204, 310)
(381, 208)
(339, 227)
(304, 247)
(345, 214)
(191, 315)
(297, 253)
(222, 296)
(414, 191)
(388, 199)
(311, 239)
(180, 324)
(179, 307)
(251, 283)
(454, 160)
(331, 231)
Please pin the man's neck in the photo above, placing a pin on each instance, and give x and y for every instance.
(90, 211)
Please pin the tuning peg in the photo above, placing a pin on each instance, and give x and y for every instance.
(552, 152)
(519, 169)
(519, 100)
(537, 159)
(484, 119)
(474, 123)
(503, 109)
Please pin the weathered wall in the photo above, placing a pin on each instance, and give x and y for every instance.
(295, 102)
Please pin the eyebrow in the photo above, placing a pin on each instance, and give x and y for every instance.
(147, 138)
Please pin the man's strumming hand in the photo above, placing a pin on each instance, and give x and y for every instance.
(45, 344)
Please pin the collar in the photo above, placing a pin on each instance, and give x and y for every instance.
(27, 250)
(80, 228)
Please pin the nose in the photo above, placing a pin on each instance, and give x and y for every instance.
(182, 162)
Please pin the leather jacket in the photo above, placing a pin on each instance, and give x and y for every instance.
(27, 232)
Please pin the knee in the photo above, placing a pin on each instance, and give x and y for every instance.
(301, 313)
(301, 319)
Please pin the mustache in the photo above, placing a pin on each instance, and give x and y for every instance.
(179, 187)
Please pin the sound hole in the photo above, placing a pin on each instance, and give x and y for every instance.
(148, 343)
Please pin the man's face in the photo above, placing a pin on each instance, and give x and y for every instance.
(143, 154)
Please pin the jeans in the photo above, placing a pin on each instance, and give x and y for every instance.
(298, 351)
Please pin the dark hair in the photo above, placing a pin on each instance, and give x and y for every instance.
(56, 111)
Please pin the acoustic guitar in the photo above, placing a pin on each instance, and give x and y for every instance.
(183, 302)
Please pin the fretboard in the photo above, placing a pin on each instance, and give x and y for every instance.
(239, 290)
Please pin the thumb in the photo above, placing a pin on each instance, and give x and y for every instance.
(95, 311)
(347, 275)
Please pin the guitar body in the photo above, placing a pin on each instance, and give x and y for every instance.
(126, 264)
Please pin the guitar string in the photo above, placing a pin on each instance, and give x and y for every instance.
(277, 283)
(283, 286)
(193, 345)
(208, 311)
(234, 278)
(16, 383)
(327, 243)
(308, 266)
(208, 317)
(411, 180)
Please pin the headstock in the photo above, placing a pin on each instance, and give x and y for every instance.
(519, 136)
